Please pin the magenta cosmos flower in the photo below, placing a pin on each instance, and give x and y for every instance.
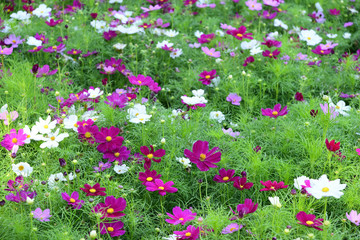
(191, 233)
(240, 33)
(202, 157)
(234, 99)
(111, 208)
(159, 185)
(309, 220)
(206, 77)
(108, 139)
(95, 190)
(151, 155)
(45, 71)
(211, 52)
(13, 40)
(276, 112)
(232, 227)
(53, 23)
(148, 176)
(73, 200)
(243, 209)
(87, 131)
(332, 146)
(119, 154)
(6, 51)
(272, 186)
(42, 216)
(334, 12)
(140, 80)
(272, 54)
(114, 229)
(14, 139)
(180, 216)
(225, 176)
(241, 184)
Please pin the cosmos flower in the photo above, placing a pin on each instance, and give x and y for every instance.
(211, 52)
(309, 220)
(111, 208)
(180, 216)
(202, 157)
(232, 227)
(276, 112)
(114, 229)
(73, 199)
(323, 187)
(14, 139)
(225, 176)
(354, 217)
(159, 185)
(272, 186)
(42, 216)
(95, 190)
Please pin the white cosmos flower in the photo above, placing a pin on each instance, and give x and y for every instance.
(330, 35)
(141, 118)
(341, 108)
(273, 35)
(91, 114)
(184, 161)
(347, 35)
(128, 30)
(32, 134)
(33, 42)
(198, 93)
(325, 188)
(310, 37)
(21, 15)
(121, 169)
(42, 11)
(121, 17)
(300, 181)
(249, 45)
(279, 23)
(198, 34)
(193, 100)
(119, 46)
(255, 50)
(163, 43)
(318, 7)
(45, 126)
(94, 93)
(100, 26)
(136, 110)
(115, 1)
(71, 122)
(22, 168)
(170, 33)
(219, 33)
(53, 139)
(176, 53)
(215, 82)
(275, 201)
(218, 116)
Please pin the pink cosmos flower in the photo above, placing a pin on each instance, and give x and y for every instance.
(148, 176)
(206, 77)
(112, 208)
(190, 233)
(276, 112)
(253, 5)
(13, 40)
(151, 155)
(45, 71)
(74, 52)
(329, 110)
(59, 49)
(95, 190)
(114, 229)
(272, 186)
(243, 209)
(248, 60)
(73, 200)
(241, 184)
(14, 139)
(180, 216)
(268, 15)
(6, 51)
(225, 176)
(230, 132)
(202, 157)
(334, 12)
(108, 139)
(240, 33)
(119, 154)
(42, 216)
(6, 116)
(348, 24)
(269, 54)
(354, 217)
(318, 50)
(115, 100)
(232, 227)
(309, 220)
(140, 80)
(159, 185)
(53, 23)
(211, 52)
(205, 38)
(273, 3)
(234, 99)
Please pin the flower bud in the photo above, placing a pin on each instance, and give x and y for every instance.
(157, 229)
(93, 234)
(163, 141)
(286, 231)
(29, 201)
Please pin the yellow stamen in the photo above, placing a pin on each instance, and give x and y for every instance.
(116, 154)
(108, 138)
(110, 229)
(14, 140)
(150, 156)
(161, 188)
(110, 210)
(21, 167)
(72, 200)
(92, 190)
(202, 157)
(309, 222)
(149, 179)
(225, 178)
(325, 189)
(275, 113)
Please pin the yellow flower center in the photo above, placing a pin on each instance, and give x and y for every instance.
(87, 135)
(309, 38)
(225, 178)
(272, 187)
(35, 48)
(149, 179)
(116, 154)
(181, 219)
(202, 157)
(207, 76)
(75, 125)
(14, 41)
(188, 234)
(54, 47)
(46, 126)
(309, 222)
(337, 107)
(110, 229)
(21, 168)
(150, 155)
(52, 138)
(239, 35)
(161, 188)
(241, 186)
(275, 113)
(74, 52)
(14, 140)
(322, 51)
(92, 190)
(110, 210)
(139, 82)
(270, 54)
(325, 189)
(108, 138)
(232, 229)
(28, 136)
(72, 200)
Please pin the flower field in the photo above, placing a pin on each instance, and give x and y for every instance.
(179, 119)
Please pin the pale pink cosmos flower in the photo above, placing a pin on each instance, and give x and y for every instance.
(6, 116)
(211, 52)
(253, 5)
(6, 51)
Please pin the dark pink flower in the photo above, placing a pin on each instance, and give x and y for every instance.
(53, 23)
(140, 80)
(180, 216)
(334, 12)
(309, 220)
(95, 190)
(206, 77)
(272, 186)
(269, 54)
(240, 33)
(112, 208)
(248, 60)
(299, 97)
(114, 229)
(73, 200)
(108, 139)
(191, 233)
(74, 52)
(202, 157)
(14, 139)
(241, 184)
(243, 209)
(276, 112)
(119, 154)
(332, 146)
(151, 155)
(159, 185)
(225, 176)
(45, 71)
(148, 176)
